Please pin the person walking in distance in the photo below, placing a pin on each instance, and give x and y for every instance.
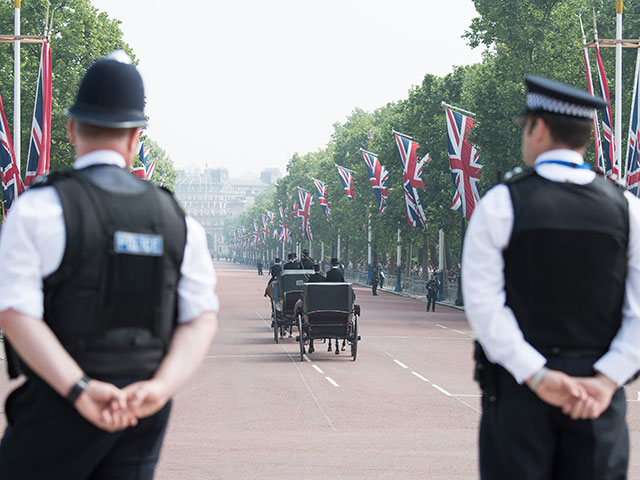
(374, 279)
(260, 266)
(554, 351)
(433, 287)
(106, 298)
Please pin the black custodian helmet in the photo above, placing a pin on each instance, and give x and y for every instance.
(111, 95)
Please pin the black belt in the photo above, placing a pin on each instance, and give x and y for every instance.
(571, 352)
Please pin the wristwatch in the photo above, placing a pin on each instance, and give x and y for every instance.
(77, 389)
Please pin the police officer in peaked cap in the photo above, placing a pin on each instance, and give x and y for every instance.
(106, 298)
(551, 272)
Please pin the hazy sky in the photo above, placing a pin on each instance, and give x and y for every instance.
(245, 84)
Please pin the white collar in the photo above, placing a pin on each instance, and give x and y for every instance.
(563, 173)
(563, 154)
(100, 157)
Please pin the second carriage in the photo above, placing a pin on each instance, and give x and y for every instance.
(287, 290)
(329, 313)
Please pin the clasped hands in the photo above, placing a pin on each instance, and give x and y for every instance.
(578, 397)
(111, 408)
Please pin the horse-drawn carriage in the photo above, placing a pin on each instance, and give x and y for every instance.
(329, 313)
(287, 290)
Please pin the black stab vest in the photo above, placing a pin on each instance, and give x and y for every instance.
(112, 303)
(566, 263)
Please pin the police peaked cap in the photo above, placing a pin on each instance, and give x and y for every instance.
(111, 95)
(549, 96)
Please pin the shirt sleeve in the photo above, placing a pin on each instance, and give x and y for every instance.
(493, 322)
(196, 288)
(31, 247)
(622, 360)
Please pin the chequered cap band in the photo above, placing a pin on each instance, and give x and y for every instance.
(539, 101)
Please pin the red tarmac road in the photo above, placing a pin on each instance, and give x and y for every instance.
(407, 408)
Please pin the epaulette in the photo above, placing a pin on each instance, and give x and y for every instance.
(48, 179)
(167, 189)
(517, 173)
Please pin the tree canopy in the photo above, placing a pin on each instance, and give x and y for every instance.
(519, 37)
(80, 34)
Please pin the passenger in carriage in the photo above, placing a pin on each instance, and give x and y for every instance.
(307, 261)
(293, 263)
(335, 274)
(317, 275)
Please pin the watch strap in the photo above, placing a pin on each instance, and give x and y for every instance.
(77, 389)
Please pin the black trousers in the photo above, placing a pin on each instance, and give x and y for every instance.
(431, 303)
(524, 438)
(46, 438)
(374, 288)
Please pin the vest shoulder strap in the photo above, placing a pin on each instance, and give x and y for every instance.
(518, 173)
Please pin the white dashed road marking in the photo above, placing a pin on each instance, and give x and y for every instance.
(332, 381)
(420, 377)
(400, 363)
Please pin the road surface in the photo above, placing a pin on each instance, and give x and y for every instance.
(407, 408)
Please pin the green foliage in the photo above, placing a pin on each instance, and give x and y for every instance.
(80, 35)
(520, 37)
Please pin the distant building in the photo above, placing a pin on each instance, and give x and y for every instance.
(270, 175)
(211, 197)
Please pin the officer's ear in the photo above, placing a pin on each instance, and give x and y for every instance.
(71, 131)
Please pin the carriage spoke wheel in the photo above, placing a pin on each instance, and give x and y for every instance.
(301, 339)
(354, 344)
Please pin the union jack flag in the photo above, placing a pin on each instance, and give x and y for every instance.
(274, 234)
(347, 181)
(272, 217)
(612, 169)
(264, 231)
(40, 143)
(600, 163)
(146, 170)
(256, 234)
(464, 163)
(633, 147)
(281, 212)
(302, 212)
(12, 185)
(285, 233)
(412, 169)
(378, 176)
(321, 188)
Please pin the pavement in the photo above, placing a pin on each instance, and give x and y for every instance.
(407, 408)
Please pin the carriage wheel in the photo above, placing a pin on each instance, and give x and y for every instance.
(354, 344)
(276, 328)
(301, 338)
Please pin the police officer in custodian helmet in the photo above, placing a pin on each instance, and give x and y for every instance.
(551, 280)
(106, 297)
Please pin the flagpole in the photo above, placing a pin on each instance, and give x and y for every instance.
(619, 85)
(633, 107)
(596, 130)
(398, 264)
(369, 245)
(16, 84)
(446, 105)
(345, 168)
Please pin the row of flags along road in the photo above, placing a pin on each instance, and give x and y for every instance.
(464, 163)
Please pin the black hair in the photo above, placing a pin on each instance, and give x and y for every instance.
(570, 131)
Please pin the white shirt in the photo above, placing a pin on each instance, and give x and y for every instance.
(494, 323)
(33, 241)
